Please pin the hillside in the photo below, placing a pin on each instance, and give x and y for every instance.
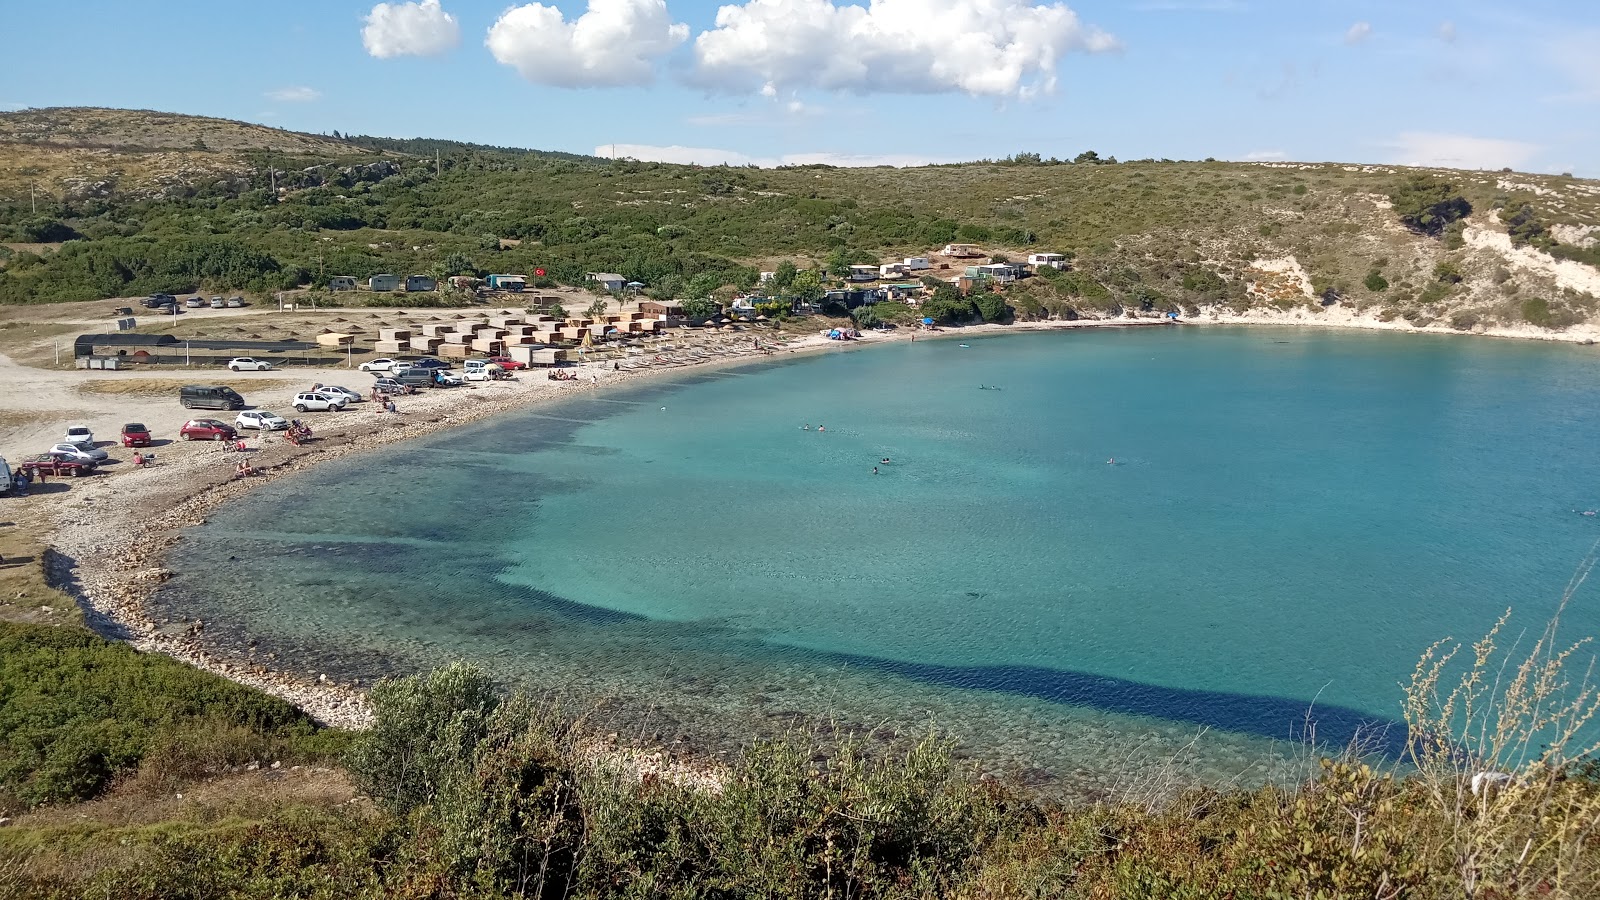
(1270, 241)
(82, 153)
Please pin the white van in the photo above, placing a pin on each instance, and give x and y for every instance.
(5, 470)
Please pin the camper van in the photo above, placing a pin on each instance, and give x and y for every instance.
(196, 396)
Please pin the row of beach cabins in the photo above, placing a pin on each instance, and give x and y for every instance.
(527, 339)
(412, 284)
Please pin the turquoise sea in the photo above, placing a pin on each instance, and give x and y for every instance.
(1085, 549)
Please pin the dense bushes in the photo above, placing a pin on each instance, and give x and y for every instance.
(76, 711)
(480, 795)
(1428, 205)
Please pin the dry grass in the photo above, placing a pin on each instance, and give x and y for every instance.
(25, 594)
(162, 387)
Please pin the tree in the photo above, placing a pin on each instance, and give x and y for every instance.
(839, 263)
(992, 307)
(1447, 272)
(597, 308)
(699, 308)
(1375, 282)
(806, 287)
(703, 285)
(459, 264)
(1087, 156)
(783, 275)
(1427, 205)
(865, 317)
(424, 730)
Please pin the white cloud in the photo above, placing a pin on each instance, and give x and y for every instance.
(1459, 151)
(299, 94)
(1265, 156)
(410, 29)
(615, 42)
(711, 156)
(1358, 32)
(995, 48)
(1447, 32)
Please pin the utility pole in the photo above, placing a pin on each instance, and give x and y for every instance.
(32, 198)
(438, 166)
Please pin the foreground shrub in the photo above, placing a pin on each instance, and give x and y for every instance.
(76, 711)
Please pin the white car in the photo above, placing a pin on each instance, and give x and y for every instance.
(471, 364)
(218, 303)
(246, 364)
(478, 374)
(261, 420)
(235, 302)
(446, 379)
(341, 391)
(80, 436)
(195, 302)
(81, 454)
(319, 401)
(379, 365)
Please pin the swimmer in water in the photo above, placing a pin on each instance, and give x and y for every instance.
(806, 427)
(1112, 461)
(820, 428)
(874, 470)
(885, 460)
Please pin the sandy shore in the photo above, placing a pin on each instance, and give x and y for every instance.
(112, 574)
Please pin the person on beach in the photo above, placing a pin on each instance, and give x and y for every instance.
(138, 459)
(42, 476)
(21, 481)
(389, 406)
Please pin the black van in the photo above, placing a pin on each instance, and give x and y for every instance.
(196, 396)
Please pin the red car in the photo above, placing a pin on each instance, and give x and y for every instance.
(507, 363)
(135, 435)
(57, 464)
(207, 430)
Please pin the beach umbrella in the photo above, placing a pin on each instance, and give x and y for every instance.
(927, 321)
(709, 324)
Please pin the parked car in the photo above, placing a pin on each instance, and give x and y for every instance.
(507, 363)
(194, 302)
(342, 391)
(5, 473)
(218, 303)
(80, 436)
(428, 362)
(57, 464)
(88, 454)
(235, 302)
(442, 378)
(247, 364)
(379, 365)
(481, 373)
(319, 401)
(157, 301)
(390, 386)
(261, 419)
(207, 430)
(134, 434)
(414, 377)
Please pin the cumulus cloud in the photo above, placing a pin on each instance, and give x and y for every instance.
(995, 48)
(1459, 151)
(300, 94)
(1358, 32)
(410, 29)
(615, 42)
(711, 156)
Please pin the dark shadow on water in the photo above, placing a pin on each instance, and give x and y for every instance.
(1277, 718)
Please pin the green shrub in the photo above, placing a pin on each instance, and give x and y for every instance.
(1375, 282)
(76, 711)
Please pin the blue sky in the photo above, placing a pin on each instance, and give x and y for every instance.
(1448, 82)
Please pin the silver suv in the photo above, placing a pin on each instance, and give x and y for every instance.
(318, 401)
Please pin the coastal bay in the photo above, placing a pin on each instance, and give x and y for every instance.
(1300, 561)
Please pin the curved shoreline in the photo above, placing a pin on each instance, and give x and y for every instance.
(111, 577)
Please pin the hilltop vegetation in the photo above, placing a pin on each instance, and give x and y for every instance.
(1308, 240)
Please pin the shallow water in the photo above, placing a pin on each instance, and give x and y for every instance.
(1133, 536)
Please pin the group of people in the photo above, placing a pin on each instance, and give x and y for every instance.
(560, 375)
(298, 432)
(245, 470)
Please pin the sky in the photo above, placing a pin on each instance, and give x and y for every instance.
(1459, 83)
